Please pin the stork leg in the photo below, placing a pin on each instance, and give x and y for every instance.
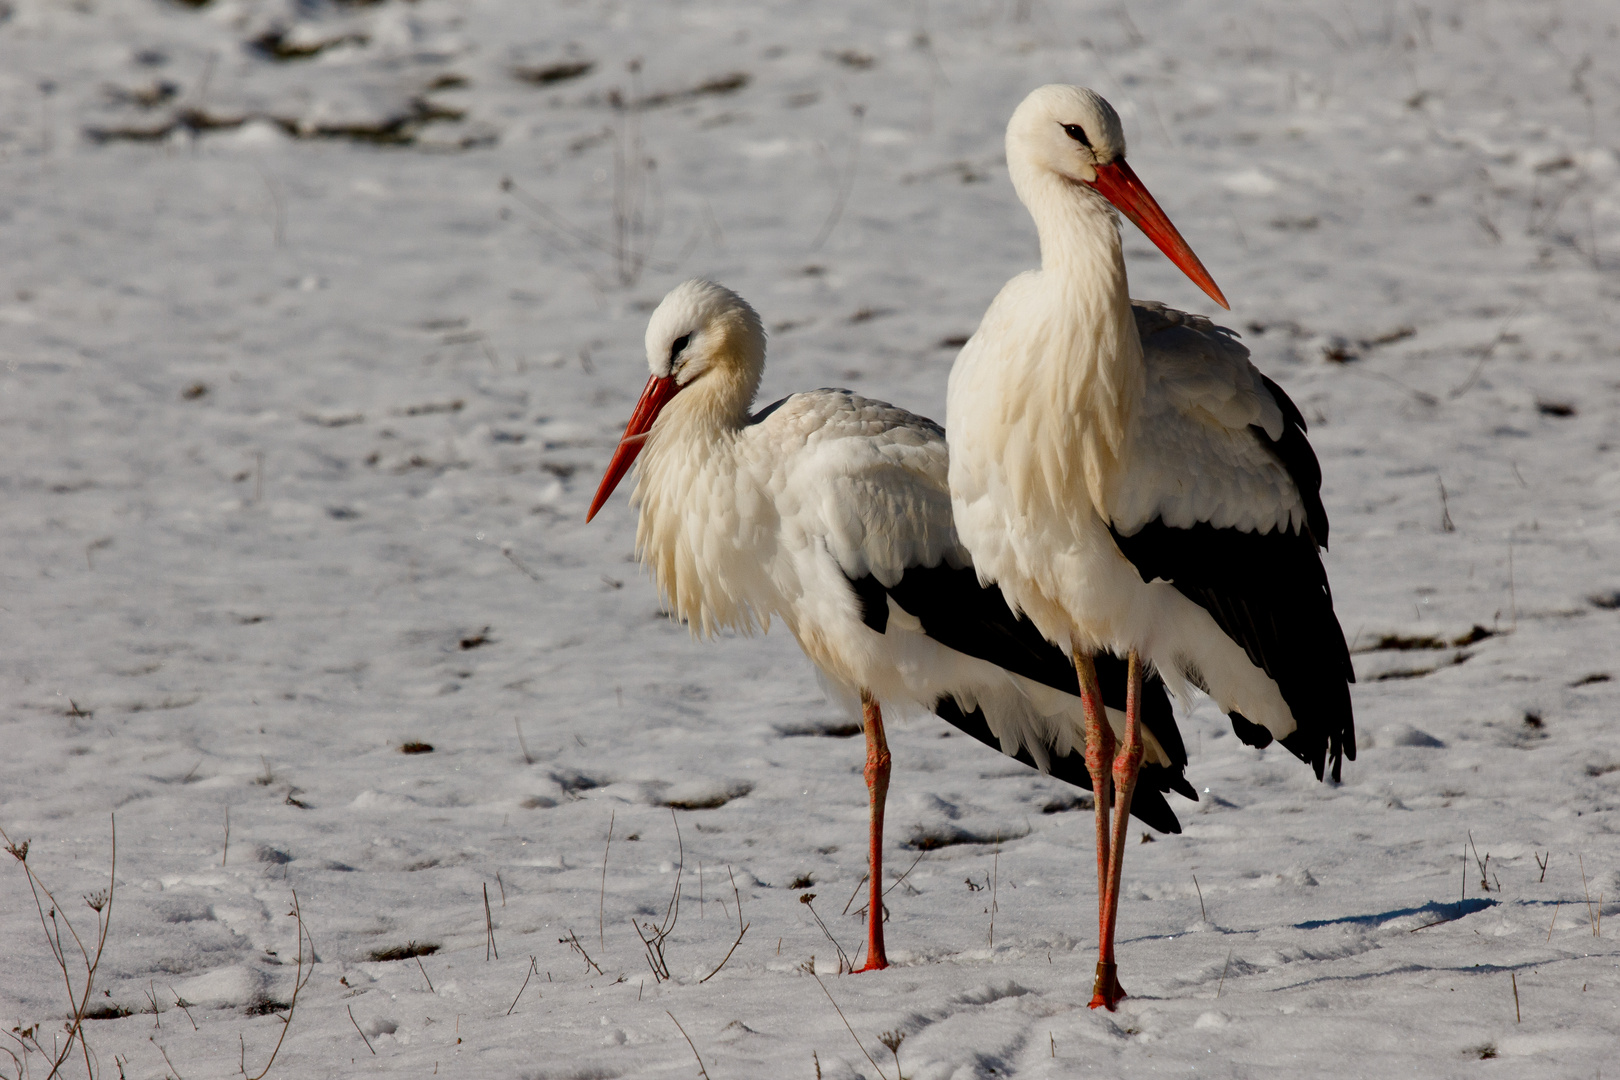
(1099, 756)
(877, 786)
(1127, 766)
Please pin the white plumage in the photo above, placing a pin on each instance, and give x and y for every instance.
(1128, 478)
(813, 511)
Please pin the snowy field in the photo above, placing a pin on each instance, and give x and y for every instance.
(303, 407)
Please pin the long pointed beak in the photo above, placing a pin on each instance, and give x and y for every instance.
(1119, 184)
(654, 397)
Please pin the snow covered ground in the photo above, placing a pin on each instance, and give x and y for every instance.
(303, 407)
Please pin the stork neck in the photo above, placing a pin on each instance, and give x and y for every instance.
(1080, 244)
(1095, 373)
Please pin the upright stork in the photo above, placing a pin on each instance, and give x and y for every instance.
(1134, 484)
(831, 512)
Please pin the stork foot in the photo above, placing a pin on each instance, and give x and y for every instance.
(1106, 991)
(873, 963)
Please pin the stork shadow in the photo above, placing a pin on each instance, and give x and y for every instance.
(1438, 913)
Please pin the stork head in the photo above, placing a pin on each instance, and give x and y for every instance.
(1072, 134)
(705, 344)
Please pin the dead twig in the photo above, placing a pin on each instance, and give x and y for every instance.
(300, 977)
(533, 970)
(901, 879)
(362, 1034)
(1202, 914)
(1587, 890)
(844, 963)
(53, 922)
(601, 896)
(729, 951)
(690, 1043)
(489, 928)
(572, 941)
(809, 967)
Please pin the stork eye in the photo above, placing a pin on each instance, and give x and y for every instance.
(680, 344)
(1077, 133)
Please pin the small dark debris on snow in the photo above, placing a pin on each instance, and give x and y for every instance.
(867, 314)
(720, 84)
(548, 74)
(1400, 333)
(149, 96)
(340, 420)
(448, 81)
(824, 730)
(273, 44)
(266, 1007)
(273, 856)
(433, 407)
(955, 341)
(1554, 408)
(194, 391)
(803, 881)
(414, 747)
(108, 1011)
(408, 951)
(1608, 601)
(1595, 677)
(853, 58)
(342, 513)
(1534, 721)
(1340, 351)
(475, 640)
(1404, 643)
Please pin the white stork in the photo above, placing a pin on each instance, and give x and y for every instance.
(831, 512)
(1133, 484)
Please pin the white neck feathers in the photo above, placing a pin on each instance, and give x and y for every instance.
(1089, 375)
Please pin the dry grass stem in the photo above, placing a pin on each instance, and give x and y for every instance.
(572, 941)
(689, 1042)
(1202, 914)
(300, 977)
(844, 962)
(810, 969)
(53, 922)
(864, 879)
(1589, 914)
(362, 1034)
(601, 896)
(425, 978)
(534, 969)
(489, 928)
(902, 878)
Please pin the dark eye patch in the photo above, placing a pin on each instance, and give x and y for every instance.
(680, 344)
(1077, 133)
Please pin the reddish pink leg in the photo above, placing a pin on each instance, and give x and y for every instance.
(877, 785)
(1127, 765)
(1099, 755)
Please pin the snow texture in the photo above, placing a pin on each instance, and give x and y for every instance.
(303, 409)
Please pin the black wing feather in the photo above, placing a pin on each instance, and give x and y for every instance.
(1269, 593)
(1148, 804)
(960, 613)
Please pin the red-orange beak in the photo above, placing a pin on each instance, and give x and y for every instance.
(657, 394)
(1119, 184)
